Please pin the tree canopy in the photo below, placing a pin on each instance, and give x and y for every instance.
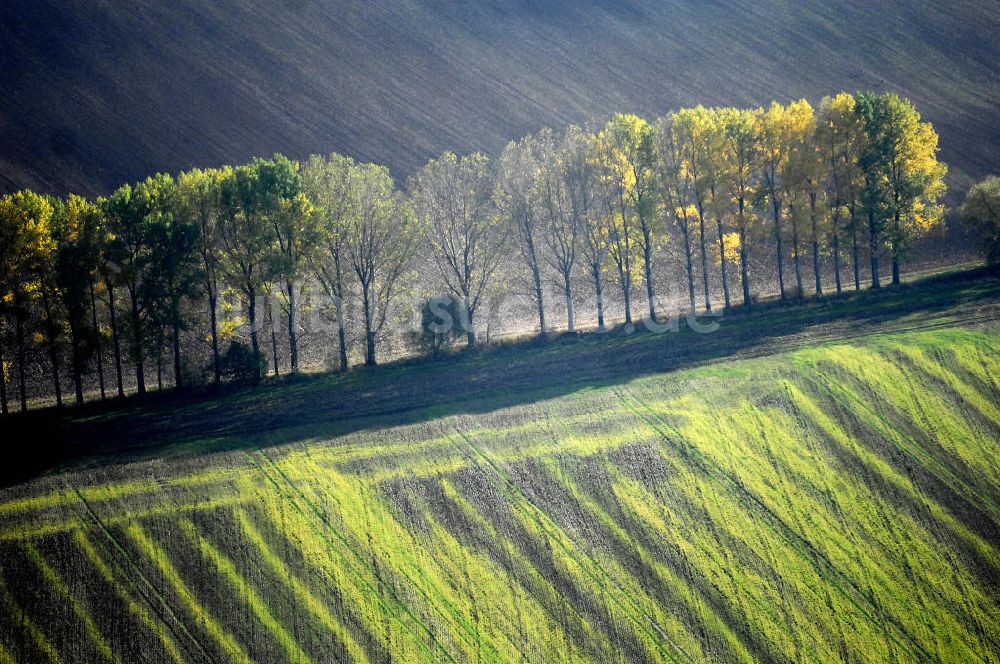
(179, 266)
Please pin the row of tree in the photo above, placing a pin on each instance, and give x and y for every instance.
(126, 274)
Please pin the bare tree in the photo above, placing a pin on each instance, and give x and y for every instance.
(517, 196)
(461, 227)
(380, 240)
(567, 192)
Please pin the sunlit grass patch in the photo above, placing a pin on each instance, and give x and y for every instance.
(836, 502)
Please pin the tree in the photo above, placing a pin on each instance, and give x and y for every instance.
(25, 241)
(740, 129)
(917, 184)
(461, 226)
(628, 152)
(110, 279)
(775, 149)
(4, 408)
(710, 171)
(800, 181)
(95, 326)
(903, 179)
(174, 275)
(281, 200)
(130, 212)
(566, 184)
(38, 280)
(698, 145)
(674, 188)
(380, 241)
(247, 242)
(76, 236)
(518, 198)
(581, 176)
(840, 136)
(47, 289)
(199, 200)
(328, 184)
(981, 213)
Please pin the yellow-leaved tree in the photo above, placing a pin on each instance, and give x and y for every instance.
(840, 137)
(801, 171)
(903, 179)
(625, 150)
(700, 144)
(25, 245)
(740, 152)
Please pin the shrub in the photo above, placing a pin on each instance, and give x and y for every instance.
(981, 214)
(440, 318)
(239, 364)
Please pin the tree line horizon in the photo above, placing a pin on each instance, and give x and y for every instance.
(128, 274)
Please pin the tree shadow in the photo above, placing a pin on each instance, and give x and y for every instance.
(415, 390)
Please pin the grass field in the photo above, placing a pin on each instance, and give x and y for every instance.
(821, 493)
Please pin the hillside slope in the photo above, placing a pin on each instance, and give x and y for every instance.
(96, 93)
(837, 502)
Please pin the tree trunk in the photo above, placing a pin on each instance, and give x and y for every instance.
(140, 374)
(704, 258)
(254, 341)
(159, 370)
(815, 243)
(776, 206)
(98, 346)
(686, 231)
(855, 253)
(722, 262)
(836, 261)
(341, 335)
(795, 249)
(115, 341)
(539, 299)
(274, 350)
(647, 247)
(744, 271)
(50, 334)
(536, 276)
(77, 361)
(293, 337)
(22, 381)
(895, 259)
(76, 347)
(568, 292)
(626, 279)
(213, 304)
(894, 248)
(370, 333)
(595, 270)
(178, 377)
(873, 247)
(274, 337)
(819, 283)
(470, 330)
(3, 383)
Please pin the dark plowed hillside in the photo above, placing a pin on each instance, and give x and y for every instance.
(95, 93)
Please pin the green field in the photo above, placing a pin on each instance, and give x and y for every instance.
(836, 501)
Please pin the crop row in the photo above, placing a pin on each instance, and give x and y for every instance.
(771, 509)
